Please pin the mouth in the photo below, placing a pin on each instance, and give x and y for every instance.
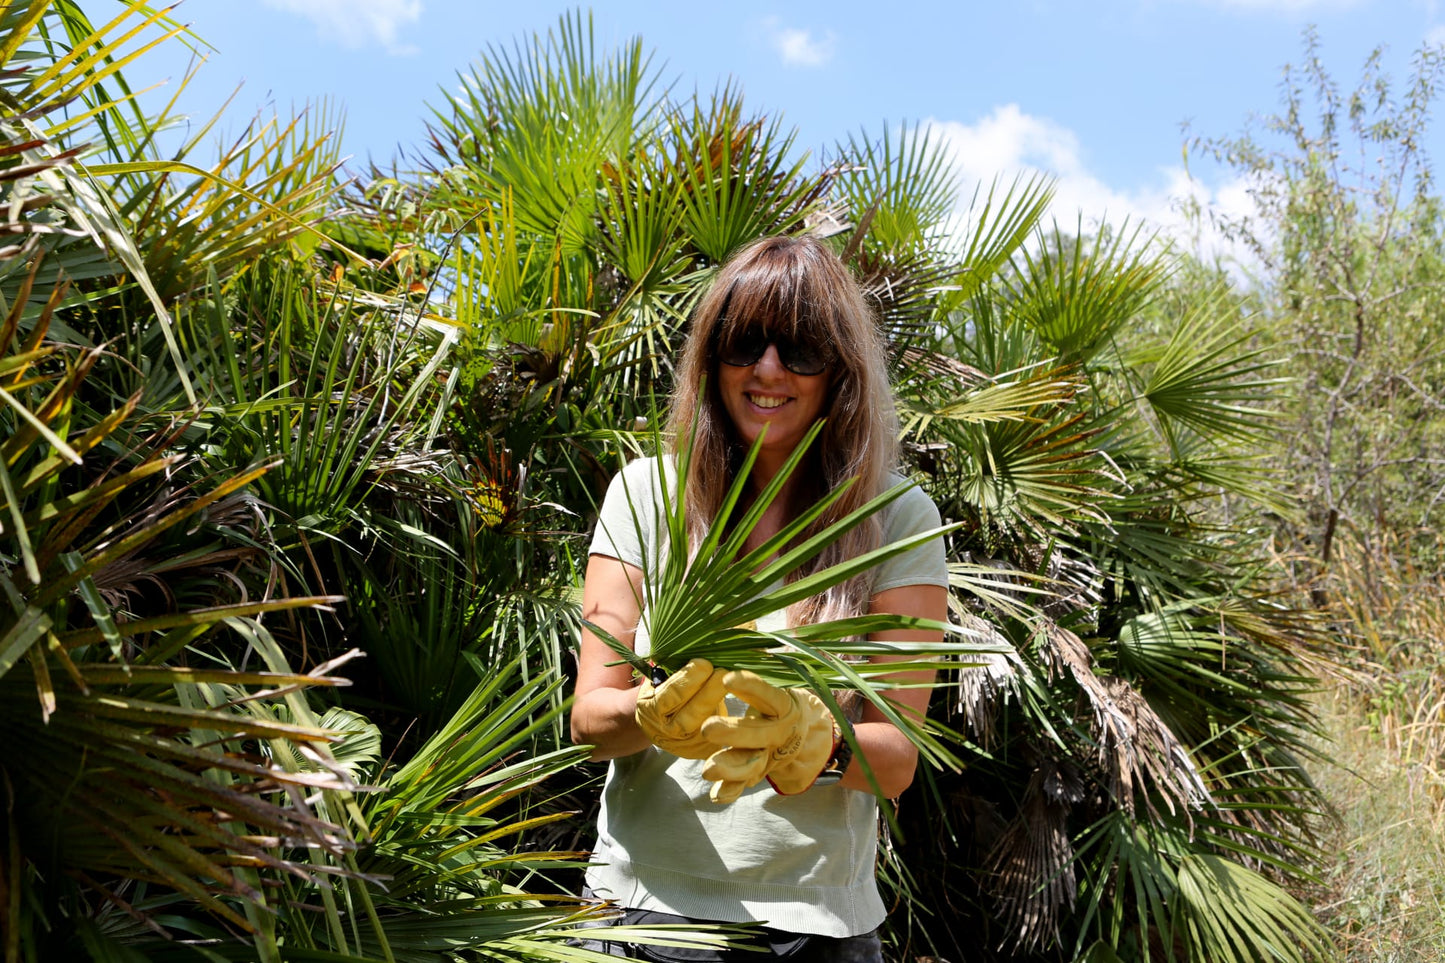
(766, 401)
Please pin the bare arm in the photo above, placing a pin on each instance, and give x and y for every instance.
(606, 697)
(893, 757)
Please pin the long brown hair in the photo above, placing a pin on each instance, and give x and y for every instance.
(797, 287)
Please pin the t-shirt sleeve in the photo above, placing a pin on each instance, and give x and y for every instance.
(629, 514)
(911, 513)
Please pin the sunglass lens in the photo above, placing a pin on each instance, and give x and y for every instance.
(802, 357)
(744, 348)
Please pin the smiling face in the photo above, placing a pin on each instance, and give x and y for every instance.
(767, 393)
(778, 309)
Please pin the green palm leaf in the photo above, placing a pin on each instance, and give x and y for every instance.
(1208, 381)
(539, 123)
(1000, 231)
(902, 185)
(702, 606)
(736, 179)
(1232, 913)
(1078, 293)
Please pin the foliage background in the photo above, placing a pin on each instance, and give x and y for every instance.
(269, 424)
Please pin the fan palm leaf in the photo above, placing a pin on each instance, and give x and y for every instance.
(1229, 912)
(737, 178)
(903, 185)
(540, 123)
(1000, 230)
(1077, 293)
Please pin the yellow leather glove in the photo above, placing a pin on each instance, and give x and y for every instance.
(786, 736)
(671, 714)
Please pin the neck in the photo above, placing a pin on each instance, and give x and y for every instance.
(781, 509)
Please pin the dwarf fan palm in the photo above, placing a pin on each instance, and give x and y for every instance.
(1119, 788)
(121, 767)
(156, 787)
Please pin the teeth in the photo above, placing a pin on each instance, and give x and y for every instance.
(765, 402)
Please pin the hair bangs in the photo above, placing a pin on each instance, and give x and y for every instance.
(781, 295)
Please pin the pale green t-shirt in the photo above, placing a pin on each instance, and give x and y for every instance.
(801, 863)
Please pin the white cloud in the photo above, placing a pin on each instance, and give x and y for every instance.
(1435, 36)
(799, 48)
(357, 23)
(1009, 142)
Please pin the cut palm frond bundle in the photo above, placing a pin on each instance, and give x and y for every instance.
(706, 603)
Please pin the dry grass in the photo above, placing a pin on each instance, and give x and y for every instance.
(1383, 889)
(1395, 613)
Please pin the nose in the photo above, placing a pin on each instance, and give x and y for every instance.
(769, 365)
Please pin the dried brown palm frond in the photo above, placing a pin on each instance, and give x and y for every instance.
(1132, 742)
(1032, 863)
(901, 289)
(941, 367)
(980, 688)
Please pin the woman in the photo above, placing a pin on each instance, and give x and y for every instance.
(711, 813)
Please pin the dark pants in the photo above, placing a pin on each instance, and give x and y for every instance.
(796, 948)
(818, 949)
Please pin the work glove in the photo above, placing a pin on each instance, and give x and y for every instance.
(671, 714)
(787, 737)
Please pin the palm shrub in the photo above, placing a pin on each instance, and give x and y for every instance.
(127, 775)
(1145, 751)
(439, 877)
(126, 772)
(163, 788)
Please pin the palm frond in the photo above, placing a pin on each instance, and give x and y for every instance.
(541, 123)
(1133, 744)
(1208, 381)
(1000, 230)
(737, 179)
(903, 185)
(1230, 913)
(1077, 293)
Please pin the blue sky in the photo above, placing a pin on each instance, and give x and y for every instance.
(1094, 94)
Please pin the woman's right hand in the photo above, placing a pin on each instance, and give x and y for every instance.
(672, 714)
(787, 737)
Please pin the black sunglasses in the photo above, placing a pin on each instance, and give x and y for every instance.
(747, 347)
